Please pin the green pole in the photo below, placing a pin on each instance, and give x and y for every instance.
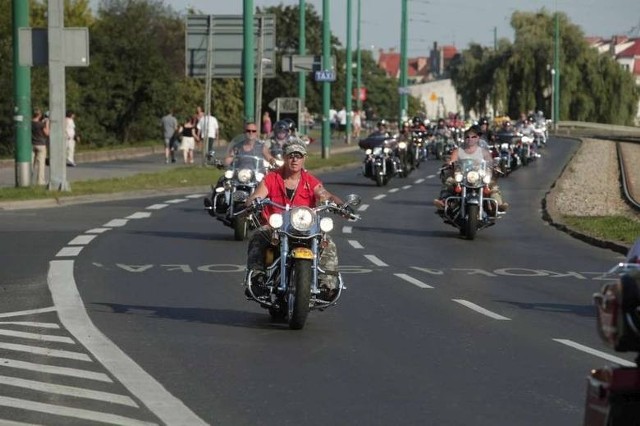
(349, 83)
(249, 62)
(22, 99)
(302, 76)
(556, 75)
(404, 102)
(326, 88)
(359, 60)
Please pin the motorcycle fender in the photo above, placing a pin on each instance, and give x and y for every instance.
(473, 201)
(302, 253)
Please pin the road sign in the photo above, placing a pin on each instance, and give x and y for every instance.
(304, 63)
(325, 75)
(227, 35)
(285, 105)
(33, 47)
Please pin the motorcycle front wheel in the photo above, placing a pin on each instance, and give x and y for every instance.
(299, 295)
(240, 226)
(471, 224)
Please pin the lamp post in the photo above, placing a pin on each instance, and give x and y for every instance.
(404, 102)
(349, 91)
(556, 73)
(553, 96)
(359, 61)
(302, 76)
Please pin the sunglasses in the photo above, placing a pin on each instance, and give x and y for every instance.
(251, 131)
(295, 155)
(472, 136)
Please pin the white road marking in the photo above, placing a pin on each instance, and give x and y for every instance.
(355, 244)
(347, 229)
(176, 201)
(196, 195)
(595, 352)
(363, 207)
(373, 259)
(406, 187)
(81, 240)
(27, 312)
(116, 223)
(392, 190)
(68, 390)
(139, 215)
(97, 230)
(157, 206)
(38, 350)
(31, 324)
(75, 319)
(431, 176)
(69, 251)
(77, 413)
(50, 369)
(481, 310)
(36, 336)
(419, 181)
(413, 281)
(379, 197)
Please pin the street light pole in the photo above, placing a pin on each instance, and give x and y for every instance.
(403, 63)
(302, 76)
(556, 74)
(359, 61)
(326, 88)
(349, 91)
(249, 62)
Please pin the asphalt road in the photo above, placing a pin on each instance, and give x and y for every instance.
(432, 329)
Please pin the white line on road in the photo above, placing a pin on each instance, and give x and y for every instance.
(116, 223)
(68, 390)
(595, 352)
(373, 259)
(38, 350)
(379, 197)
(31, 324)
(139, 215)
(176, 201)
(431, 176)
(392, 190)
(419, 181)
(355, 244)
(69, 251)
(406, 187)
(50, 369)
(157, 206)
(27, 312)
(412, 280)
(196, 195)
(81, 240)
(363, 207)
(97, 230)
(141, 384)
(36, 336)
(481, 310)
(347, 229)
(77, 413)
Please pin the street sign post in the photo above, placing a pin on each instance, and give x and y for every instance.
(304, 63)
(325, 75)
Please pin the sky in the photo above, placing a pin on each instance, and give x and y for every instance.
(452, 22)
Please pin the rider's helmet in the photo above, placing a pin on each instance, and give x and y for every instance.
(441, 122)
(382, 123)
(483, 121)
(417, 121)
(507, 125)
(291, 124)
(281, 129)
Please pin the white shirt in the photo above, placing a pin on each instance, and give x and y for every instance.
(211, 125)
(69, 128)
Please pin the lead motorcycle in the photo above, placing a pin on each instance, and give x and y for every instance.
(613, 392)
(293, 270)
(381, 162)
(471, 207)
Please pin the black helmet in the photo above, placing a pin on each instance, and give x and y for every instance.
(417, 121)
(483, 120)
(382, 122)
(474, 129)
(281, 126)
(291, 124)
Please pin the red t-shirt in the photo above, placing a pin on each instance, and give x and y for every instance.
(303, 195)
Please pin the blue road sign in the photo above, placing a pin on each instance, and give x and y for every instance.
(325, 75)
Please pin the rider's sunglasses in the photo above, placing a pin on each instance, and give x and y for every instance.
(472, 136)
(295, 155)
(250, 130)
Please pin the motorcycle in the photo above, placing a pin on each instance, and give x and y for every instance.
(419, 147)
(613, 392)
(228, 197)
(470, 208)
(293, 271)
(381, 162)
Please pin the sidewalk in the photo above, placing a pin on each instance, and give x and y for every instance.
(93, 165)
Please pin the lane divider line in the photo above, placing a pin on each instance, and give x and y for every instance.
(116, 223)
(379, 197)
(355, 244)
(419, 181)
(157, 206)
(374, 259)
(196, 195)
(139, 215)
(392, 190)
(412, 280)
(481, 310)
(176, 201)
(595, 352)
(81, 240)
(347, 229)
(97, 230)
(406, 187)
(69, 251)
(363, 207)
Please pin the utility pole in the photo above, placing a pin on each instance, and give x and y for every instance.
(556, 75)
(359, 60)
(404, 102)
(258, 112)
(326, 86)
(349, 89)
(22, 99)
(249, 62)
(302, 76)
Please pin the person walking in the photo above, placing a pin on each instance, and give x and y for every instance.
(207, 124)
(189, 136)
(70, 137)
(266, 125)
(39, 137)
(169, 128)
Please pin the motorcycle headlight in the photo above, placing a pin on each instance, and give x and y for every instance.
(259, 176)
(472, 177)
(275, 220)
(402, 145)
(387, 150)
(458, 177)
(228, 174)
(244, 175)
(326, 224)
(301, 218)
(368, 152)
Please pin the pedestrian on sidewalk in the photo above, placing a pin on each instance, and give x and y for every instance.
(207, 127)
(70, 137)
(266, 125)
(169, 128)
(189, 137)
(39, 138)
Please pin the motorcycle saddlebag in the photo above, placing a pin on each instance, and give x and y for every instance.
(613, 397)
(618, 313)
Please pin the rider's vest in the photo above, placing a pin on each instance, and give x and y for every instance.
(303, 195)
(239, 153)
(477, 155)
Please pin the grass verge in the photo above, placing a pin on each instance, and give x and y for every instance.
(610, 228)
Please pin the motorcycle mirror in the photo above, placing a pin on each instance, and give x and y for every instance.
(353, 200)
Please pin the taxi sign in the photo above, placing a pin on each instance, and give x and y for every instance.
(325, 75)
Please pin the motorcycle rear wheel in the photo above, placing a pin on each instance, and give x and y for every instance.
(299, 295)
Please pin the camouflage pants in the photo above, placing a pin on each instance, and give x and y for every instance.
(260, 241)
